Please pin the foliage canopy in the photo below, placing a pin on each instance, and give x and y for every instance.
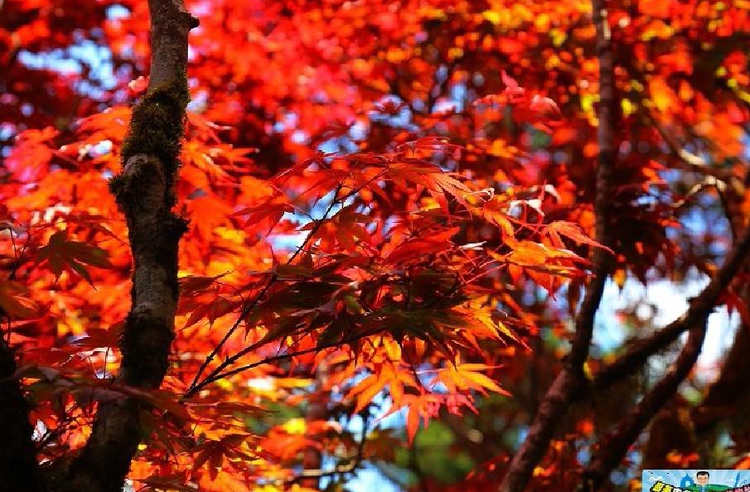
(402, 218)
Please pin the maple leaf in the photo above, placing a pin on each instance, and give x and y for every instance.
(468, 376)
(14, 304)
(571, 231)
(32, 153)
(101, 338)
(367, 389)
(269, 213)
(417, 248)
(60, 254)
(175, 481)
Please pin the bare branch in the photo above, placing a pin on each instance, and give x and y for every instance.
(694, 319)
(687, 160)
(707, 182)
(727, 392)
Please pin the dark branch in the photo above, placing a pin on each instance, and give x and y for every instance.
(729, 391)
(18, 463)
(571, 379)
(616, 444)
(700, 307)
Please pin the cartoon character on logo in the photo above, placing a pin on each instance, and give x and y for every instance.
(702, 485)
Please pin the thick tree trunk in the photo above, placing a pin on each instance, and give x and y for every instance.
(144, 191)
(729, 392)
(670, 431)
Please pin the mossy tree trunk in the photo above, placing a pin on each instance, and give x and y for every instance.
(145, 193)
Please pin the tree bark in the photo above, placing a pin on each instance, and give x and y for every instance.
(616, 444)
(729, 392)
(700, 307)
(571, 379)
(144, 192)
(19, 471)
(727, 395)
(670, 431)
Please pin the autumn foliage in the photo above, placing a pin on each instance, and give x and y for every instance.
(402, 218)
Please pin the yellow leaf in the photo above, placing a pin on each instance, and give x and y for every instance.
(295, 426)
(492, 16)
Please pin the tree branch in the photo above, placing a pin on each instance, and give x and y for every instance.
(279, 357)
(571, 379)
(347, 465)
(700, 307)
(727, 393)
(248, 308)
(144, 191)
(18, 463)
(196, 384)
(689, 161)
(616, 444)
(694, 319)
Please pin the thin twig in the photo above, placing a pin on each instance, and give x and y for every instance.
(276, 358)
(250, 306)
(688, 160)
